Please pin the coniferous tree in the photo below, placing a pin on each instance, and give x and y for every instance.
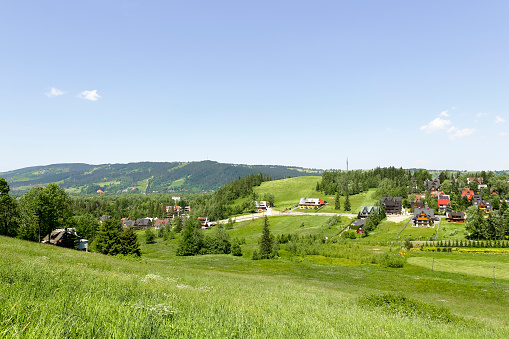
(107, 240)
(337, 202)
(266, 247)
(347, 203)
(129, 242)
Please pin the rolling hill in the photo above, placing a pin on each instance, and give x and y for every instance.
(142, 177)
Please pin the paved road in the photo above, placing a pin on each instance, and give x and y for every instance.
(271, 212)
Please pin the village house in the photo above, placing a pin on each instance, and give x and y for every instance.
(484, 205)
(424, 217)
(443, 201)
(205, 223)
(366, 211)
(357, 225)
(66, 237)
(392, 205)
(306, 203)
(126, 223)
(142, 223)
(458, 217)
(261, 206)
(467, 193)
(161, 223)
(433, 185)
(469, 180)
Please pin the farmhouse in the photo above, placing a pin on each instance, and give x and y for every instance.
(65, 237)
(127, 223)
(458, 217)
(306, 203)
(424, 217)
(392, 205)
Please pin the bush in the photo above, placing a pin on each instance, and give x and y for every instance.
(236, 250)
(150, 237)
(255, 255)
(350, 234)
(403, 306)
(390, 260)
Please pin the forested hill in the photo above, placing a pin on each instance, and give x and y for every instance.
(142, 177)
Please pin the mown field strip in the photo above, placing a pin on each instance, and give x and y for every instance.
(470, 267)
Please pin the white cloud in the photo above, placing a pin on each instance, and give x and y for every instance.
(90, 95)
(435, 125)
(502, 134)
(481, 114)
(54, 92)
(462, 133)
(444, 113)
(452, 129)
(499, 119)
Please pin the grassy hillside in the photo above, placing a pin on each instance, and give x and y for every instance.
(47, 291)
(288, 192)
(143, 177)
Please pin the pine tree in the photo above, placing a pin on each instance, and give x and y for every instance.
(107, 240)
(337, 202)
(129, 242)
(347, 203)
(266, 241)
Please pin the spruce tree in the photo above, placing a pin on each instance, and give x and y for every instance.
(337, 202)
(129, 242)
(347, 202)
(266, 241)
(107, 240)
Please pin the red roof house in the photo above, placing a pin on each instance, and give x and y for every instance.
(468, 193)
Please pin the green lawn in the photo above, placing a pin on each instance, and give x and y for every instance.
(451, 231)
(356, 201)
(49, 292)
(387, 231)
(417, 233)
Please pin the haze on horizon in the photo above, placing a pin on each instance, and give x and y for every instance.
(295, 83)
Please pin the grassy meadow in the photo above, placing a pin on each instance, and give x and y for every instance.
(50, 292)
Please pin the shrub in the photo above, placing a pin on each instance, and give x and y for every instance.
(403, 306)
(255, 255)
(350, 234)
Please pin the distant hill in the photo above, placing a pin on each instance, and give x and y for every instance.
(142, 177)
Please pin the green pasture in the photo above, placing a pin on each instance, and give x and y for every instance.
(49, 292)
(417, 233)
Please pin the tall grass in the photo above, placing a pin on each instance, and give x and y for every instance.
(49, 292)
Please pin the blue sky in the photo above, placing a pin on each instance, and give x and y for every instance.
(303, 83)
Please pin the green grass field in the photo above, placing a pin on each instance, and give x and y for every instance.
(288, 192)
(49, 292)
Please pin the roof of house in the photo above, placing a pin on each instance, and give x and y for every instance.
(160, 222)
(358, 222)
(456, 215)
(428, 211)
(313, 201)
